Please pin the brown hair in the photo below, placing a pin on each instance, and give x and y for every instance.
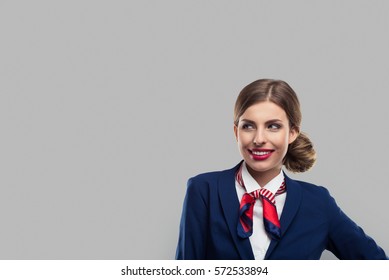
(301, 155)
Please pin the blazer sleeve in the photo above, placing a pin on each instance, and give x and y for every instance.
(194, 219)
(347, 240)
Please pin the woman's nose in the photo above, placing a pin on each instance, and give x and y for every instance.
(259, 138)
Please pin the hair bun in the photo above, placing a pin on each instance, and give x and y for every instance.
(301, 155)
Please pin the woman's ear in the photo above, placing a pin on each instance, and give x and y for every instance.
(293, 134)
(236, 132)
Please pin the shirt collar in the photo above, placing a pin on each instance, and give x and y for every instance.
(252, 185)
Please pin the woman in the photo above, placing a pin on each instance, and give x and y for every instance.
(255, 211)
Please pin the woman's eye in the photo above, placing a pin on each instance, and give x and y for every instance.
(274, 126)
(247, 126)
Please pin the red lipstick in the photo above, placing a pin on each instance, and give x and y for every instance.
(261, 154)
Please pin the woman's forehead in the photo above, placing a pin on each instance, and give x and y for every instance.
(264, 111)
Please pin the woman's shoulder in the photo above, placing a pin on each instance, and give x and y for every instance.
(207, 183)
(309, 187)
(313, 195)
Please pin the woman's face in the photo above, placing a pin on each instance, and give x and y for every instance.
(263, 135)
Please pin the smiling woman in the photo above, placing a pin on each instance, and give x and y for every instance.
(283, 102)
(254, 210)
(263, 135)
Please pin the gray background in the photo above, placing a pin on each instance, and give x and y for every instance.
(108, 107)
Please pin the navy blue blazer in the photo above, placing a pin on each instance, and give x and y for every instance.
(311, 222)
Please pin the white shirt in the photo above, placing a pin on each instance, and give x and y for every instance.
(259, 239)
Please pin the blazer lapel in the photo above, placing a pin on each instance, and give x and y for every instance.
(292, 204)
(230, 205)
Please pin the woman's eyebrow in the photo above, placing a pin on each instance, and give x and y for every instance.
(268, 121)
(247, 121)
(274, 120)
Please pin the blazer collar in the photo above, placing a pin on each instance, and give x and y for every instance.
(230, 204)
(292, 204)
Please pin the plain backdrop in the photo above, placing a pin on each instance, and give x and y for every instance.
(108, 107)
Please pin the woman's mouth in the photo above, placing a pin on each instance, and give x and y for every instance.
(260, 154)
